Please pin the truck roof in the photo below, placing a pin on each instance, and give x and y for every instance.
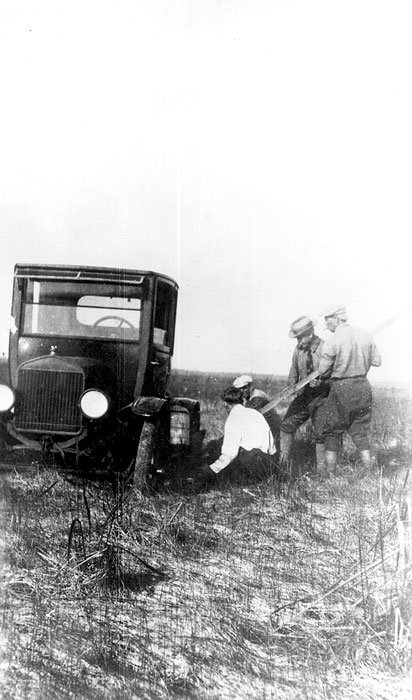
(81, 272)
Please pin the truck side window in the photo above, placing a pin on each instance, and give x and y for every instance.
(164, 315)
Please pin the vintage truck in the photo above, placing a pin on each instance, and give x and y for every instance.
(86, 378)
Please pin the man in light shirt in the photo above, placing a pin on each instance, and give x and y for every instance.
(257, 399)
(346, 359)
(248, 443)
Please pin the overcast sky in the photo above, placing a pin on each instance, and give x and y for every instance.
(258, 151)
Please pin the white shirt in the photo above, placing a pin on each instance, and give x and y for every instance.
(247, 428)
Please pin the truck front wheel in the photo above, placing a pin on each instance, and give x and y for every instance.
(152, 453)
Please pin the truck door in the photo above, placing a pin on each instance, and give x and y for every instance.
(163, 337)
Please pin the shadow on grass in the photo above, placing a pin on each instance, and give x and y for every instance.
(139, 582)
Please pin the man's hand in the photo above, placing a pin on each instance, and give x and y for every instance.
(315, 382)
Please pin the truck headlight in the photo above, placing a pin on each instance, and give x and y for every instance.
(7, 397)
(94, 403)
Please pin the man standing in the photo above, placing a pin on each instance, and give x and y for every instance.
(346, 358)
(247, 442)
(305, 360)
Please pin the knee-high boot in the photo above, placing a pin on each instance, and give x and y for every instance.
(331, 458)
(366, 458)
(320, 457)
(285, 458)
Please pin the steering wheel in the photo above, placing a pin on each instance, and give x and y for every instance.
(116, 318)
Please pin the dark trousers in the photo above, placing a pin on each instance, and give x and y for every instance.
(304, 406)
(347, 408)
(248, 463)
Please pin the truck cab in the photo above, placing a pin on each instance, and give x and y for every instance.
(89, 362)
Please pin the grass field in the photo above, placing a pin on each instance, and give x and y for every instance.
(250, 590)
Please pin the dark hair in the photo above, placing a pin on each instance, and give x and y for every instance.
(232, 395)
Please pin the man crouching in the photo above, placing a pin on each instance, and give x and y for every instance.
(248, 443)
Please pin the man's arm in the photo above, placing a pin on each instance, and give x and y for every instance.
(230, 446)
(221, 463)
(376, 359)
(327, 359)
(293, 376)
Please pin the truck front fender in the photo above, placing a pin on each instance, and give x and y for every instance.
(190, 404)
(148, 405)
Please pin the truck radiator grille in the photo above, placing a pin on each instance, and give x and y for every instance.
(48, 400)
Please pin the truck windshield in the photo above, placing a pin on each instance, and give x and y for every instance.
(85, 309)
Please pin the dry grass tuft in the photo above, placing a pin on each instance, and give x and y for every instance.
(245, 591)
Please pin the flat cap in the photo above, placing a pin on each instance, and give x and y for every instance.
(334, 310)
(242, 381)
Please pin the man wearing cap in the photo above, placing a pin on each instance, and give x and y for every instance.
(305, 360)
(251, 397)
(257, 399)
(248, 443)
(346, 359)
